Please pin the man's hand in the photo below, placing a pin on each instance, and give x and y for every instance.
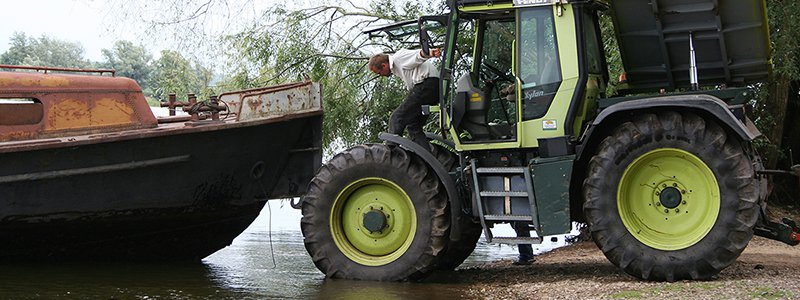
(434, 52)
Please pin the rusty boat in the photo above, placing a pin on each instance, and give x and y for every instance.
(87, 172)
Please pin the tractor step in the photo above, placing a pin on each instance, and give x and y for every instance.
(517, 240)
(510, 218)
(501, 170)
(503, 194)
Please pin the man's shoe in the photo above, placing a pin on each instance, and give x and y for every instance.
(523, 262)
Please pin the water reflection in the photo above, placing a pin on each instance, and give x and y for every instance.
(365, 290)
(244, 270)
(109, 281)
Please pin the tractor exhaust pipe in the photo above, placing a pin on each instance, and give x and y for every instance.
(692, 64)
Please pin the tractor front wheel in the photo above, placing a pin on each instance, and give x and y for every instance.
(375, 213)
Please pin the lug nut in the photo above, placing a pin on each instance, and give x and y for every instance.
(663, 185)
(658, 193)
(674, 185)
(683, 191)
(684, 202)
(666, 210)
(658, 203)
(677, 210)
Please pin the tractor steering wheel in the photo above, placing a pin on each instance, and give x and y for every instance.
(498, 74)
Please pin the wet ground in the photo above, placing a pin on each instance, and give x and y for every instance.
(267, 261)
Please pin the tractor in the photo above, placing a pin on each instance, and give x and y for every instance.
(664, 172)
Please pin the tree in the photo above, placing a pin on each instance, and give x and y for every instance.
(325, 43)
(174, 74)
(130, 61)
(776, 109)
(284, 42)
(44, 51)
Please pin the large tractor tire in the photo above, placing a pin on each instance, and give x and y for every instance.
(671, 196)
(457, 251)
(375, 212)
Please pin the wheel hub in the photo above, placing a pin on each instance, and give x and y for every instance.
(670, 197)
(374, 221)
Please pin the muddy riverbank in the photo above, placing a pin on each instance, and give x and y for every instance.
(766, 270)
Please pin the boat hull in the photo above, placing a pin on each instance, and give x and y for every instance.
(157, 195)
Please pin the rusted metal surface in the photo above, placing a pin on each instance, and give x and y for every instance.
(274, 101)
(209, 109)
(80, 110)
(47, 69)
(172, 102)
(20, 113)
(67, 104)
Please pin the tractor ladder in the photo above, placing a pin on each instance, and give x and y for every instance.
(505, 194)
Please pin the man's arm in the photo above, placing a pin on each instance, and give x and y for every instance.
(409, 59)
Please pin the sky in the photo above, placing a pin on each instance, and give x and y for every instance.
(92, 23)
(70, 20)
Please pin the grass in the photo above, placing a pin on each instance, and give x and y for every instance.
(627, 295)
(770, 293)
(672, 288)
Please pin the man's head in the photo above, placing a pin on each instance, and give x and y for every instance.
(379, 64)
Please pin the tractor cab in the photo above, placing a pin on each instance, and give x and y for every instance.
(513, 64)
(508, 79)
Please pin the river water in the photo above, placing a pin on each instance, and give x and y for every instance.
(267, 261)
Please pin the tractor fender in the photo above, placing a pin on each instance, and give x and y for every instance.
(710, 104)
(438, 168)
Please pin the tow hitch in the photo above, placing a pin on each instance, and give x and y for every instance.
(787, 230)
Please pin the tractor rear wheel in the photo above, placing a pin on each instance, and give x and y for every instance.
(375, 212)
(671, 196)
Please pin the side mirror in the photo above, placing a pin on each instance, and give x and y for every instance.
(424, 37)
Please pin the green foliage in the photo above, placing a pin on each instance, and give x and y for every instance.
(325, 44)
(130, 61)
(174, 74)
(784, 19)
(613, 57)
(771, 108)
(44, 51)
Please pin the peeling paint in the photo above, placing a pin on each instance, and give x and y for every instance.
(54, 82)
(16, 135)
(74, 113)
(68, 113)
(108, 111)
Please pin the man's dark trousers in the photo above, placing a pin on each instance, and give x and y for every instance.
(409, 114)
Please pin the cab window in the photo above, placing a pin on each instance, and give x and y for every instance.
(538, 63)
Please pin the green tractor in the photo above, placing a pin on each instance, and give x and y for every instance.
(664, 173)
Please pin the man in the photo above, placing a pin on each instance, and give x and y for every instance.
(421, 79)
